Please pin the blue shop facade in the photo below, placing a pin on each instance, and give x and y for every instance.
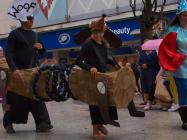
(62, 43)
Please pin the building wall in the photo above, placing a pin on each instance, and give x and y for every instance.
(80, 9)
(81, 12)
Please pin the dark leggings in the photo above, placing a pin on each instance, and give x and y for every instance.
(148, 85)
(96, 117)
(21, 106)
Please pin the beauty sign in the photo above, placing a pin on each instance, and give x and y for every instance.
(22, 8)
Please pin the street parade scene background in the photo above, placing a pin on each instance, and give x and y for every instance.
(69, 69)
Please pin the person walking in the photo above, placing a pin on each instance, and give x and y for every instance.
(173, 56)
(149, 69)
(94, 58)
(21, 53)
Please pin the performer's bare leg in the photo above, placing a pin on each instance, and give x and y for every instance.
(103, 129)
(97, 134)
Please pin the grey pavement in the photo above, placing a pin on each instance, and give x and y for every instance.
(72, 122)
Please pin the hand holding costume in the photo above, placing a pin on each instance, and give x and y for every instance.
(94, 71)
(38, 46)
(16, 75)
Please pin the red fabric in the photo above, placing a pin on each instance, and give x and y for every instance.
(168, 56)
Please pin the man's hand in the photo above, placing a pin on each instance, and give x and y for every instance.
(17, 74)
(93, 71)
(38, 46)
(144, 66)
(128, 65)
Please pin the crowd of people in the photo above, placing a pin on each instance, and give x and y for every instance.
(168, 62)
(147, 72)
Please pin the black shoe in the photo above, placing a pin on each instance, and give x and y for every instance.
(138, 114)
(184, 126)
(44, 127)
(9, 129)
(133, 112)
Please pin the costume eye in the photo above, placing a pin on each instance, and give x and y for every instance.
(101, 87)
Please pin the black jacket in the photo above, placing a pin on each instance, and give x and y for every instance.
(150, 59)
(94, 55)
(20, 52)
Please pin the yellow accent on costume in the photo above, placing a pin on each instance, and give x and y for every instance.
(173, 89)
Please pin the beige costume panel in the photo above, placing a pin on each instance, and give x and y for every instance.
(121, 89)
(24, 86)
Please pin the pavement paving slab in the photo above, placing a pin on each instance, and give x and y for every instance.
(71, 121)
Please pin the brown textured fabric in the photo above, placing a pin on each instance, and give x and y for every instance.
(161, 92)
(24, 86)
(3, 64)
(120, 91)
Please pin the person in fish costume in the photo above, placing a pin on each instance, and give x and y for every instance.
(21, 53)
(94, 58)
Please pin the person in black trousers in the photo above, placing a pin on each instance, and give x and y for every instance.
(21, 53)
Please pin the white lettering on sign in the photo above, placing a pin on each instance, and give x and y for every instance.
(22, 7)
(124, 30)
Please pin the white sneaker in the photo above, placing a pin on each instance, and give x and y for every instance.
(148, 106)
(164, 108)
(174, 107)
